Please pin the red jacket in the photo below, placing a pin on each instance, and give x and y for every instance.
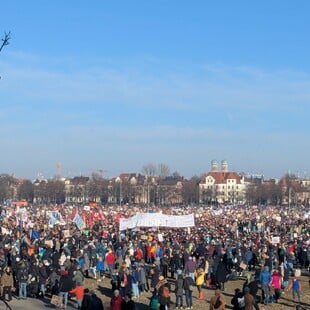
(78, 291)
(110, 258)
(116, 303)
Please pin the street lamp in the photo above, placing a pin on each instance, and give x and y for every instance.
(119, 180)
(289, 198)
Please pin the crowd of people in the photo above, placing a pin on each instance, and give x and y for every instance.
(44, 251)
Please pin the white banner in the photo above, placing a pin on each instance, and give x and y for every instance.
(275, 239)
(157, 220)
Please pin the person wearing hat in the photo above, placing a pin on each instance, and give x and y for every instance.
(65, 285)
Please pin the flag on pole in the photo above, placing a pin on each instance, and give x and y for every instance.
(35, 234)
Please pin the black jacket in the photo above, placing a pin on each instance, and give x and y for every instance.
(65, 283)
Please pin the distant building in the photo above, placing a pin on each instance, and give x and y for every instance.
(76, 190)
(134, 188)
(222, 186)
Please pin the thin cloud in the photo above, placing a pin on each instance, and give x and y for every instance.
(214, 86)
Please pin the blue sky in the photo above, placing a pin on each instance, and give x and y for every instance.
(115, 86)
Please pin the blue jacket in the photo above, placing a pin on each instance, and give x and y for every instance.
(265, 277)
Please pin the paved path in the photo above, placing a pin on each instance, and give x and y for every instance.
(31, 303)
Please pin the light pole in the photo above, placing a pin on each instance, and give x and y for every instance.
(289, 198)
(120, 193)
(119, 180)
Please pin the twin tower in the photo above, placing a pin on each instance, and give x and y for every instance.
(214, 166)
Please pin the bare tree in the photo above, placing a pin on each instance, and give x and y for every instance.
(149, 170)
(5, 40)
(190, 190)
(26, 191)
(163, 170)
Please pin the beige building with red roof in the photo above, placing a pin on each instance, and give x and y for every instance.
(222, 186)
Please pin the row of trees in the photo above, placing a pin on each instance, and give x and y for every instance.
(163, 191)
(87, 189)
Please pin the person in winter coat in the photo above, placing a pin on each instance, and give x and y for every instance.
(163, 289)
(252, 284)
(125, 282)
(135, 280)
(144, 281)
(78, 276)
(65, 285)
(249, 301)
(110, 260)
(78, 291)
(100, 268)
(188, 285)
(296, 288)
(200, 278)
(86, 264)
(179, 284)
(128, 303)
(217, 302)
(190, 267)
(221, 274)
(42, 276)
(116, 301)
(91, 301)
(154, 273)
(265, 278)
(7, 283)
(238, 300)
(276, 284)
(22, 278)
(86, 302)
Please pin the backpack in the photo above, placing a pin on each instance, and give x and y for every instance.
(217, 303)
(154, 302)
(166, 292)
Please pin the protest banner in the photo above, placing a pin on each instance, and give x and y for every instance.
(157, 220)
(275, 240)
(78, 220)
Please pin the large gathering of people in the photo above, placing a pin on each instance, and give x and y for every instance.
(45, 252)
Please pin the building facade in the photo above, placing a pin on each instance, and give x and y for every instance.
(222, 186)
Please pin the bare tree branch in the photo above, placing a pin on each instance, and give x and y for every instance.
(5, 40)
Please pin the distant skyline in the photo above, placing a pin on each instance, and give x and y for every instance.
(115, 86)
